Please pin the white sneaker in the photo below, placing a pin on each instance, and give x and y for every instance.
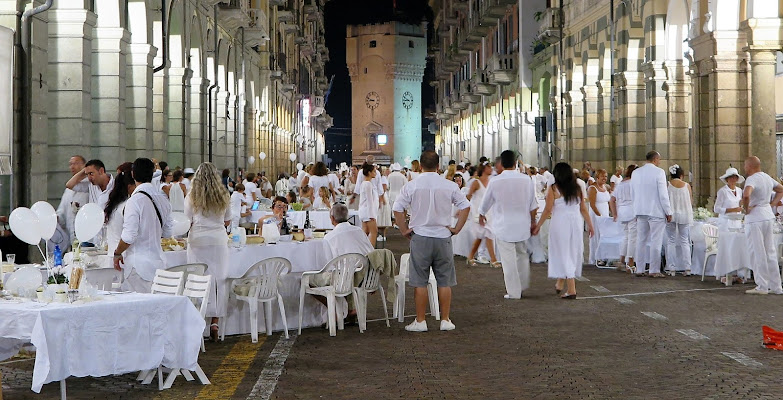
(757, 290)
(446, 325)
(417, 326)
(381, 238)
(508, 297)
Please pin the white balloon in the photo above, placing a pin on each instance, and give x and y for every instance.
(181, 223)
(24, 224)
(299, 166)
(89, 221)
(251, 160)
(262, 155)
(47, 219)
(292, 157)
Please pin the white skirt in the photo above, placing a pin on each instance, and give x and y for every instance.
(215, 255)
(384, 212)
(566, 246)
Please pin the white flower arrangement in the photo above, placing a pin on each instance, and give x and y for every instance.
(701, 214)
(57, 276)
(673, 169)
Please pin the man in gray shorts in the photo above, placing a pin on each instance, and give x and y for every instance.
(430, 198)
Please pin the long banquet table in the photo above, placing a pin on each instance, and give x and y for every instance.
(319, 219)
(117, 334)
(310, 255)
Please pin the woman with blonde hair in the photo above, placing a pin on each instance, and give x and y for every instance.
(450, 171)
(208, 207)
(415, 170)
(324, 199)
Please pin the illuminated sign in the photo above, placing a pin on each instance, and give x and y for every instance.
(381, 139)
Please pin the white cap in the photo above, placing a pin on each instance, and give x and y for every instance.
(188, 171)
(395, 167)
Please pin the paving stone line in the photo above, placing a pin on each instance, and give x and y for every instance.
(693, 334)
(655, 315)
(266, 383)
(742, 359)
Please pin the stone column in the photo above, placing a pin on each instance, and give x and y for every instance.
(69, 98)
(196, 148)
(575, 126)
(177, 124)
(138, 100)
(762, 64)
(656, 121)
(160, 119)
(606, 135)
(109, 59)
(231, 130)
(678, 104)
(219, 139)
(591, 139)
(631, 134)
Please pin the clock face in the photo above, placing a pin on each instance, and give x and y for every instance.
(407, 100)
(372, 100)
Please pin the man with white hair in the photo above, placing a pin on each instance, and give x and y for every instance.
(759, 220)
(653, 210)
(396, 181)
(582, 185)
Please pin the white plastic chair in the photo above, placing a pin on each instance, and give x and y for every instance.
(610, 237)
(197, 290)
(370, 284)
(341, 269)
(711, 239)
(164, 282)
(262, 280)
(168, 282)
(432, 291)
(193, 268)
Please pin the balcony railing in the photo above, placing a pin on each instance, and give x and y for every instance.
(549, 25)
(480, 83)
(502, 68)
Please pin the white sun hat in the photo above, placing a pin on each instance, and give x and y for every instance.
(731, 172)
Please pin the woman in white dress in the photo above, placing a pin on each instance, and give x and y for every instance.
(176, 192)
(599, 196)
(323, 200)
(729, 197)
(318, 178)
(415, 170)
(124, 184)
(384, 212)
(207, 205)
(564, 203)
(369, 203)
(678, 230)
(476, 195)
(621, 206)
(350, 187)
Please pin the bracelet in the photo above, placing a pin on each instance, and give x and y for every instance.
(117, 255)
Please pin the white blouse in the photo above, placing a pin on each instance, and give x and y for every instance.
(680, 200)
(727, 198)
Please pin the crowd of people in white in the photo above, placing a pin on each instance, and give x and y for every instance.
(505, 206)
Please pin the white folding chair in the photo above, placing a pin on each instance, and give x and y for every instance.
(264, 202)
(197, 290)
(711, 238)
(370, 284)
(341, 270)
(168, 282)
(398, 310)
(262, 282)
(610, 237)
(193, 268)
(164, 282)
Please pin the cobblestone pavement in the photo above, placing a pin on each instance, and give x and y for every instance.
(623, 338)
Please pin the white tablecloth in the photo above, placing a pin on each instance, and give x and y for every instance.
(700, 249)
(120, 334)
(734, 253)
(310, 255)
(319, 219)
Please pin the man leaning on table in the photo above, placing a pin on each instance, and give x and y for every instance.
(759, 220)
(429, 199)
(145, 221)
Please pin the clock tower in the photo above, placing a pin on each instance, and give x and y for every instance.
(386, 63)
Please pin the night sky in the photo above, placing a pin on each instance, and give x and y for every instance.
(339, 14)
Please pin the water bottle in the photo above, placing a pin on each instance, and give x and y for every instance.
(58, 256)
(235, 239)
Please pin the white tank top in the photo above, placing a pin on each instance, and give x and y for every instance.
(176, 197)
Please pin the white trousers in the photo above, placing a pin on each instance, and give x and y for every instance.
(763, 255)
(134, 283)
(649, 231)
(628, 245)
(678, 235)
(516, 267)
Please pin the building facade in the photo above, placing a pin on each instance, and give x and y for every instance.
(613, 79)
(386, 65)
(184, 81)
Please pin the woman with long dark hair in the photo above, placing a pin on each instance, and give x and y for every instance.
(123, 187)
(564, 203)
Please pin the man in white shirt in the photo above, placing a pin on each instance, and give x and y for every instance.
(100, 186)
(396, 181)
(71, 200)
(430, 199)
(334, 180)
(265, 186)
(580, 182)
(160, 171)
(250, 188)
(238, 204)
(759, 221)
(653, 210)
(616, 178)
(147, 218)
(512, 196)
(188, 173)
